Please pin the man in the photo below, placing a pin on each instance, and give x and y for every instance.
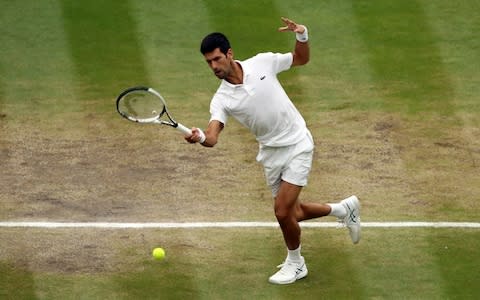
(252, 94)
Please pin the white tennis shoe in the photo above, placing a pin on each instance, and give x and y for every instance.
(352, 219)
(290, 271)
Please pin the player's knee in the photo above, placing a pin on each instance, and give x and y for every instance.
(283, 214)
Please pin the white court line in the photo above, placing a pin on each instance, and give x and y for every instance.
(167, 225)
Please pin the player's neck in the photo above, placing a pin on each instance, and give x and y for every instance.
(236, 77)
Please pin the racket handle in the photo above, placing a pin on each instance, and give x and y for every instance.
(186, 131)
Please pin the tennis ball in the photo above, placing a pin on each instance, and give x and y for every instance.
(158, 253)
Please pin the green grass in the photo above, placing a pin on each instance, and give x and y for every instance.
(390, 95)
(234, 264)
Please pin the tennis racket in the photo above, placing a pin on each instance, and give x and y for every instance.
(145, 105)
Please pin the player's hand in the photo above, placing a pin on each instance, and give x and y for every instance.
(291, 26)
(196, 137)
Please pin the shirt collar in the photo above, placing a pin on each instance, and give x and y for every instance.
(246, 74)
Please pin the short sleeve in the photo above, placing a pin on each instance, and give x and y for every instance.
(283, 61)
(217, 110)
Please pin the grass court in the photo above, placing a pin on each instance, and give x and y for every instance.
(391, 96)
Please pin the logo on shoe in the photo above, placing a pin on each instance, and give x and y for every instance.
(299, 269)
(352, 216)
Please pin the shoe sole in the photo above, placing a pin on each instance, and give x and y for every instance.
(298, 277)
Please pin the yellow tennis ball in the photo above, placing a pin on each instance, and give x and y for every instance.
(158, 253)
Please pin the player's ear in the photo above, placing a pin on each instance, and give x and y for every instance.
(229, 53)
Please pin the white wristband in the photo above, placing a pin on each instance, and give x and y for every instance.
(302, 37)
(202, 136)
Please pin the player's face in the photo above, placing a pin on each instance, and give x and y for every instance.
(219, 62)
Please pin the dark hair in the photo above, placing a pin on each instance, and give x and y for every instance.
(213, 41)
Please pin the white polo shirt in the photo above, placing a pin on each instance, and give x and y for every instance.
(260, 103)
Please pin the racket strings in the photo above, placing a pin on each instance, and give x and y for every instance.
(141, 106)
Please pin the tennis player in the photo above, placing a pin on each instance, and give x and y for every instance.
(251, 93)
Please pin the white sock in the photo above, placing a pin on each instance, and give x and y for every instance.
(294, 255)
(338, 210)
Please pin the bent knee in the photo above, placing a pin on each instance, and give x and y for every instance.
(284, 214)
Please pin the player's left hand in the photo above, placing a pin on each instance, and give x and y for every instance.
(291, 26)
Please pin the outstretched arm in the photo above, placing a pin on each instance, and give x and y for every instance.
(301, 53)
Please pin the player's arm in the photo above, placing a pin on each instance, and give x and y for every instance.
(212, 133)
(209, 137)
(301, 53)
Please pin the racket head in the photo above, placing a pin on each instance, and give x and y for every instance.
(141, 104)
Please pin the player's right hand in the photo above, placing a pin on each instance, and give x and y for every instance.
(196, 137)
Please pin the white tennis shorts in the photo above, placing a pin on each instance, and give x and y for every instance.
(291, 163)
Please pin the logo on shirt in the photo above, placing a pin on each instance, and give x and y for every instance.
(263, 77)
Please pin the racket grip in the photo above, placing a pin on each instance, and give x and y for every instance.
(186, 131)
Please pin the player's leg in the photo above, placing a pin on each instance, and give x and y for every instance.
(307, 211)
(285, 206)
(296, 164)
(296, 172)
(347, 211)
(289, 210)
